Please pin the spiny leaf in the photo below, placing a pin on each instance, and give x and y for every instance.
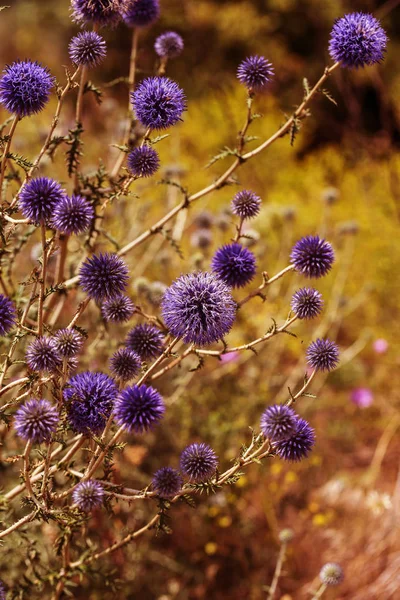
(328, 95)
(91, 87)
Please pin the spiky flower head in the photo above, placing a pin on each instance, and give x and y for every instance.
(246, 204)
(141, 13)
(167, 482)
(25, 88)
(88, 495)
(312, 256)
(307, 303)
(125, 364)
(39, 198)
(146, 340)
(234, 264)
(158, 102)
(138, 408)
(357, 39)
(42, 355)
(89, 398)
(103, 276)
(169, 45)
(255, 72)
(299, 445)
(198, 308)
(323, 355)
(8, 314)
(198, 462)
(73, 214)
(331, 574)
(87, 49)
(68, 342)
(36, 421)
(119, 309)
(278, 422)
(143, 161)
(100, 12)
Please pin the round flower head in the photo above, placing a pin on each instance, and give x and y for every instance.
(87, 49)
(104, 276)
(331, 574)
(8, 315)
(90, 398)
(158, 102)
(140, 13)
(357, 40)
(42, 355)
(323, 355)
(306, 303)
(25, 88)
(36, 421)
(299, 445)
(88, 494)
(246, 204)
(73, 215)
(68, 342)
(199, 462)
(167, 482)
(125, 364)
(138, 408)
(143, 161)
(255, 72)
(100, 12)
(119, 309)
(278, 422)
(169, 45)
(146, 340)
(198, 308)
(312, 256)
(39, 197)
(234, 264)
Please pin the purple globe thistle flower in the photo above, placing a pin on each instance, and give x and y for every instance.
(146, 340)
(255, 72)
(90, 398)
(140, 13)
(73, 214)
(278, 422)
(119, 309)
(199, 308)
(36, 421)
(167, 482)
(104, 276)
(357, 39)
(100, 12)
(138, 408)
(42, 355)
(169, 45)
(307, 303)
(246, 204)
(39, 198)
(312, 256)
(68, 342)
(331, 574)
(8, 315)
(143, 161)
(25, 88)
(362, 397)
(323, 355)
(88, 495)
(297, 446)
(87, 49)
(125, 364)
(158, 102)
(234, 264)
(199, 462)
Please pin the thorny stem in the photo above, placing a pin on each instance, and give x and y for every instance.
(28, 483)
(278, 570)
(6, 150)
(320, 591)
(78, 116)
(265, 283)
(42, 278)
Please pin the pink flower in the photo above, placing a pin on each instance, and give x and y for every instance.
(362, 397)
(229, 357)
(380, 346)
